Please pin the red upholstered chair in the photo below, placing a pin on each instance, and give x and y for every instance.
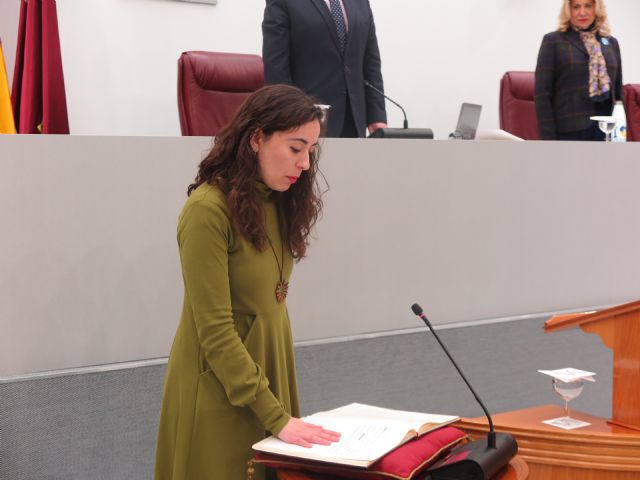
(517, 108)
(632, 111)
(211, 87)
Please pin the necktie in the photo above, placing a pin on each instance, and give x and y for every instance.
(338, 18)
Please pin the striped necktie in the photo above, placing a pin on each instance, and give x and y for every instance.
(338, 18)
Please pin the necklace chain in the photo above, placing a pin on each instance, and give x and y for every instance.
(282, 288)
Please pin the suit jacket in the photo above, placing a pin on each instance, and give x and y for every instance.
(300, 47)
(562, 82)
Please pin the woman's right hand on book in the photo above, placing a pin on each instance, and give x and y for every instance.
(305, 434)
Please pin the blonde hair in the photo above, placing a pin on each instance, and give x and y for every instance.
(602, 22)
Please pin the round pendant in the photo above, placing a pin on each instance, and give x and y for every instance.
(282, 288)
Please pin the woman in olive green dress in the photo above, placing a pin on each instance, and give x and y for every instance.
(231, 375)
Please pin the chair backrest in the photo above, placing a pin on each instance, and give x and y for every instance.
(517, 108)
(632, 111)
(211, 87)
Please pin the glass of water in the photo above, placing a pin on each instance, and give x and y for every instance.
(568, 391)
(606, 125)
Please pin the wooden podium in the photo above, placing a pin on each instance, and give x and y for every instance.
(601, 451)
(619, 329)
(604, 450)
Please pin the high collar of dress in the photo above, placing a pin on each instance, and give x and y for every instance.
(262, 189)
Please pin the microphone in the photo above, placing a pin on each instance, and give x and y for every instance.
(406, 122)
(405, 132)
(477, 460)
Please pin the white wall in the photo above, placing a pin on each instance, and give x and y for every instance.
(120, 55)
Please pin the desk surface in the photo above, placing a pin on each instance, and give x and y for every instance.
(530, 420)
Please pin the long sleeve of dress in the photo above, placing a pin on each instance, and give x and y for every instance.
(204, 236)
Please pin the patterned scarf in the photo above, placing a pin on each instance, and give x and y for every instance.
(599, 81)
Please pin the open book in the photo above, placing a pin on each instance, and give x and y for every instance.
(368, 433)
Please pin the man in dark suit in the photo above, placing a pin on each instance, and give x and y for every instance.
(327, 48)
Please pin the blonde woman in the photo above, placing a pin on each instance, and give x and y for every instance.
(579, 73)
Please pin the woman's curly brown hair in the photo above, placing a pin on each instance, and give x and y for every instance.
(232, 166)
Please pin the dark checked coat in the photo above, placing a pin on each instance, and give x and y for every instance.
(562, 82)
(301, 47)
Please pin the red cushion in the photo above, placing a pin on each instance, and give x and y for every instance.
(517, 107)
(402, 463)
(212, 86)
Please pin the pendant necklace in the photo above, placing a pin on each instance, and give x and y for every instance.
(282, 288)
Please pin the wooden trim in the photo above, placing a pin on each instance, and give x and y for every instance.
(561, 322)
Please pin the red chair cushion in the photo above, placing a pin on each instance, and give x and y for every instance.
(212, 86)
(632, 111)
(403, 463)
(517, 107)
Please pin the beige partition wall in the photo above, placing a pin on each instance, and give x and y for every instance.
(89, 271)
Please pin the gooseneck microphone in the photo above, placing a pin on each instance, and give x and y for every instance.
(477, 460)
(491, 440)
(406, 122)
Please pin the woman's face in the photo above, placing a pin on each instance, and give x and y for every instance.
(283, 156)
(583, 13)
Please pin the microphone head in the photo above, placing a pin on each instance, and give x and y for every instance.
(417, 309)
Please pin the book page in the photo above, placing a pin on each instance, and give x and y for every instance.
(409, 420)
(361, 441)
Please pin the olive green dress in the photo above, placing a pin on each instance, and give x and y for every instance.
(231, 373)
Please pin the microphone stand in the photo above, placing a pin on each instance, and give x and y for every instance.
(477, 460)
(406, 122)
(405, 131)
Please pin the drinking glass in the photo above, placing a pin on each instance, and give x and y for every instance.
(606, 125)
(568, 391)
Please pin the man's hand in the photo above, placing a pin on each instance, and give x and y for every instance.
(375, 126)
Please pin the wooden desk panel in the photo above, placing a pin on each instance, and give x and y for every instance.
(601, 451)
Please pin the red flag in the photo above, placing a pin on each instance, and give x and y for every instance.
(39, 101)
